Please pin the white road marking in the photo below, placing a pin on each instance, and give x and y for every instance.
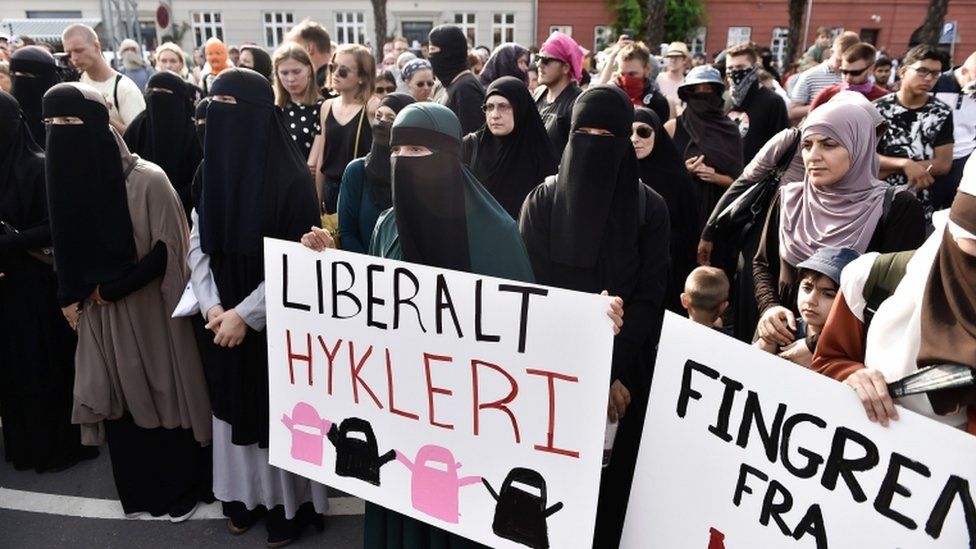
(74, 506)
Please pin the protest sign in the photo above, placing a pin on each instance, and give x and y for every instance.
(742, 449)
(472, 403)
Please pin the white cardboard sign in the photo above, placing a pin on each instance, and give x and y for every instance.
(742, 449)
(472, 403)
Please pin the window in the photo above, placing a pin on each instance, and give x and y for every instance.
(870, 36)
(503, 28)
(738, 35)
(468, 23)
(206, 25)
(53, 14)
(350, 27)
(565, 29)
(601, 37)
(696, 40)
(276, 25)
(777, 46)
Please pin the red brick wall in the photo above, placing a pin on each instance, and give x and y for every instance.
(583, 15)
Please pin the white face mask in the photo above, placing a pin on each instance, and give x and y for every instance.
(132, 59)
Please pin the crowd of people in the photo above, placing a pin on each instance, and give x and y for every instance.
(770, 209)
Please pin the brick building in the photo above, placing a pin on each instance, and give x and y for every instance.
(888, 24)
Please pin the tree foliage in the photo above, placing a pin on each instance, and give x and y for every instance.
(658, 21)
(683, 17)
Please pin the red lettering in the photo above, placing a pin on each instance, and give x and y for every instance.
(330, 356)
(498, 404)
(551, 433)
(431, 389)
(292, 357)
(354, 370)
(389, 382)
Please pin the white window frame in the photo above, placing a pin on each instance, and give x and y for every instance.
(278, 23)
(602, 35)
(738, 35)
(777, 44)
(565, 29)
(206, 24)
(697, 40)
(500, 23)
(469, 25)
(350, 22)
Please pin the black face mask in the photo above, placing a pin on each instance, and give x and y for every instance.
(381, 133)
(737, 76)
(378, 166)
(428, 198)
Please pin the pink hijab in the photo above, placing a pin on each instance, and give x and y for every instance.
(842, 215)
(565, 49)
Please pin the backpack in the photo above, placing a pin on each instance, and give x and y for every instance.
(887, 271)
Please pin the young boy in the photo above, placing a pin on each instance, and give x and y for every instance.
(819, 280)
(706, 296)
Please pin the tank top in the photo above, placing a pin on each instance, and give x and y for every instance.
(339, 151)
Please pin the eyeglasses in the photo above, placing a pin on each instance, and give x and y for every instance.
(500, 107)
(644, 131)
(385, 89)
(339, 70)
(925, 73)
(852, 72)
(424, 84)
(545, 60)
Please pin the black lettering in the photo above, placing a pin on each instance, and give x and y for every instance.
(838, 465)
(774, 509)
(444, 301)
(397, 300)
(721, 427)
(812, 523)
(336, 292)
(370, 300)
(284, 288)
(890, 487)
(740, 484)
(813, 459)
(527, 292)
(752, 413)
(955, 486)
(478, 334)
(686, 391)
(320, 283)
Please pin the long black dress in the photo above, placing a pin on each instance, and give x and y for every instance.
(36, 344)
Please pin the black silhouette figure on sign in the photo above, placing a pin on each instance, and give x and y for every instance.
(357, 455)
(520, 508)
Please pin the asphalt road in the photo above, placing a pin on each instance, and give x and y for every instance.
(78, 508)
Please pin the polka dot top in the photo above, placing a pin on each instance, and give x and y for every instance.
(302, 122)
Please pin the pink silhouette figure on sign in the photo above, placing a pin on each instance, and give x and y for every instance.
(435, 482)
(308, 432)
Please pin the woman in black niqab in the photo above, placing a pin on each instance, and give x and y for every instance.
(164, 133)
(595, 226)
(504, 61)
(33, 71)
(36, 345)
(664, 171)
(512, 165)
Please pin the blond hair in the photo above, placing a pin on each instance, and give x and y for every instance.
(170, 47)
(80, 28)
(291, 50)
(707, 288)
(366, 67)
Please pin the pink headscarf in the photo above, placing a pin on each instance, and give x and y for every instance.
(842, 215)
(565, 49)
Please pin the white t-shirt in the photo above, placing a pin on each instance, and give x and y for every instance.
(669, 86)
(131, 102)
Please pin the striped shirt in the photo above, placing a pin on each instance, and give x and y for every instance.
(813, 81)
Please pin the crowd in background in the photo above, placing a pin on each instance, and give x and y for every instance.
(791, 209)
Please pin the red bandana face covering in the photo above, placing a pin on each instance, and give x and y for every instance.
(634, 86)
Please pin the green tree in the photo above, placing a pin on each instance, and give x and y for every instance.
(934, 19)
(630, 15)
(656, 11)
(683, 17)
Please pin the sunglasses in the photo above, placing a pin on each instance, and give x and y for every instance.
(385, 89)
(339, 70)
(544, 60)
(644, 131)
(858, 72)
(424, 84)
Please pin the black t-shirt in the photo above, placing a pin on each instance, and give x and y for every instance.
(465, 96)
(557, 115)
(762, 115)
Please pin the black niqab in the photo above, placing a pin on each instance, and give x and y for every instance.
(452, 59)
(262, 62)
(164, 132)
(87, 199)
(377, 162)
(504, 62)
(39, 72)
(716, 136)
(594, 213)
(20, 164)
(511, 166)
